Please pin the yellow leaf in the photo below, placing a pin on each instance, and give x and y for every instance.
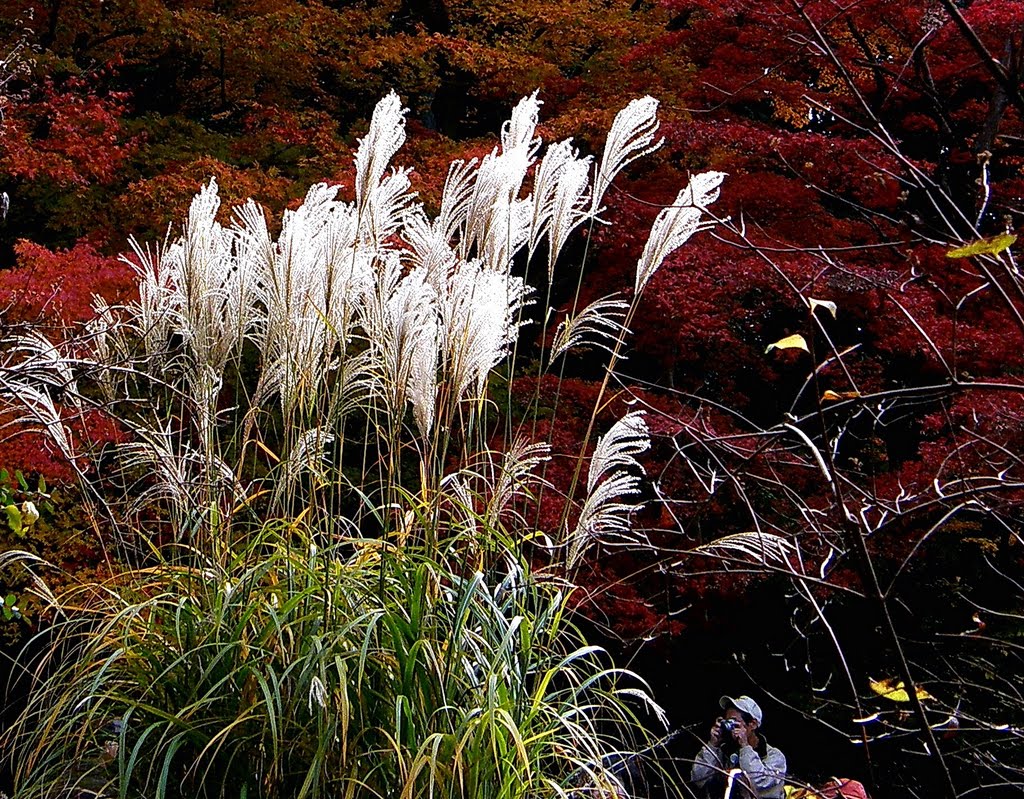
(894, 690)
(990, 246)
(794, 342)
(828, 305)
(836, 396)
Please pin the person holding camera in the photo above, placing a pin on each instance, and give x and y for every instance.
(735, 743)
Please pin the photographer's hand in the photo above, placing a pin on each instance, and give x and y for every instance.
(715, 739)
(739, 734)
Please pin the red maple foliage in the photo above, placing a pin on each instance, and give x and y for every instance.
(57, 288)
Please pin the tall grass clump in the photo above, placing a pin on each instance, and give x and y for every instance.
(325, 591)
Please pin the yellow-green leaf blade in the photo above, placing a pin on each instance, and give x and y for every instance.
(989, 246)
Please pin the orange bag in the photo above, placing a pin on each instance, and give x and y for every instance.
(843, 789)
(835, 789)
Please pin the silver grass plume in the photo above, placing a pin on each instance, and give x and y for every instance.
(545, 185)
(497, 184)
(385, 137)
(559, 198)
(500, 178)
(614, 475)
(676, 224)
(458, 191)
(422, 384)
(429, 247)
(763, 548)
(569, 208)
(385, 207)
(153, 316)
(106, 346)
(39, 412)
(631, 137)
(349, 281)
(478, 323)
(295, 342)
(188, 480)
(455, 488)
(618, 448)
(599, 325)
(516, 473)
(509, 232)
(210, 295)
(308, 454)
(402, 330)
(518, 130)
(47, 365)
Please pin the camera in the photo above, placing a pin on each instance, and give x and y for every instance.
(727, 726)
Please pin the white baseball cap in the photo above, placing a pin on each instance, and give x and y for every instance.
(744, 704)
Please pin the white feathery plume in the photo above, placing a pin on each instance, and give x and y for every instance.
(429, 248)
(101, 328)
(507, 234)
(401, 326)
(497, 185)
(545, 187)
(385, 137)
(213, 292)
(614, 475)
(676, 224)
(703, 189)
(517, 132)
(45, 363)
(154, 315)
(500, 178)
(618, 448)
(423, 373)
(763, 548)
(317, 694)
(254, 257)
(559, 198)
(631, 137)
(478, 324)
(516, 473)
(569, 207)
(645, 698)
(454, 487)
(599, 325)
(341, 231)
(205, 384)
(385, 207)
(253, 243)
(350, 281)
(256, 252)
(297, 344)
(206, 286)
(41, 414)
(307, 455)
(176, 473)
(106, 345)
(455, 200)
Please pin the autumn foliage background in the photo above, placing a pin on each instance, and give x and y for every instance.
(863, 142)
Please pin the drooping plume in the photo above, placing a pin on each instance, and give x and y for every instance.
(676, 224)
(614, 476)
(631, 137)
